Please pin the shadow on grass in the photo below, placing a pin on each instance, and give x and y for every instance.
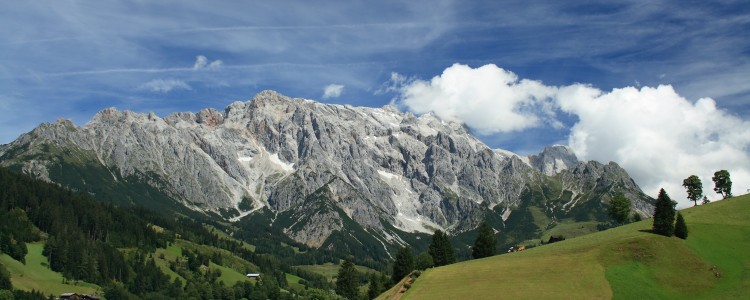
(651, 231)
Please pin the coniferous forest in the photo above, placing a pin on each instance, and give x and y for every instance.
(112, 246)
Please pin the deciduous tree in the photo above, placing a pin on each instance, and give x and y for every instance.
(694, 188)
(424, 260)
(722, 183)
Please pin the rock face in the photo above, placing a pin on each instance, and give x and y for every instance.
(379, 167)
(553, 160)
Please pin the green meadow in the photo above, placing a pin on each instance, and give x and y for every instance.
(35, 275)
(626, 262)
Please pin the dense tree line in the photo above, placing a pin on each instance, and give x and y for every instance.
(83, 236)
(82, 233)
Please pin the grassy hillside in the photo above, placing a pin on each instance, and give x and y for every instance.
(330, 270)
(35, 275)
(626, 262)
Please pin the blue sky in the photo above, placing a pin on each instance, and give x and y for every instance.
(70, 59)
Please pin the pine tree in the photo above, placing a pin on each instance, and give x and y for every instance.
(403, 266)
(485, 244)
(619, 209)
(680, 228)
(347, 284)
(441, 249)
(664, 214)
(5, 283)
(375, 287)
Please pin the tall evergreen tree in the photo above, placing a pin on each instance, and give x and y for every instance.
(441, 249)
(664, 214)
(485, 244)
(404, 264)
(5, 283)
(375, 287)
(694, 188)
(722, 183)
(619, 209)
(680, 228)
(347, 283)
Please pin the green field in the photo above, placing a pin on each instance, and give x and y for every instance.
(293, 281)
(35, 275)
(626, 262)
(231, 270)
(330, 270)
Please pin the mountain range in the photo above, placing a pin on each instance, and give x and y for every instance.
(325, 175)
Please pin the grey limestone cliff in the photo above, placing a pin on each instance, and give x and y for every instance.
(418, 173)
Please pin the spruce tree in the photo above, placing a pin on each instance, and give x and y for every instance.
(664, 215)
(375, 287)
(619, 209)
(347, 284)
(441, 249)
(680, 228)
(5, 283)
(403, 266)
(485, 244)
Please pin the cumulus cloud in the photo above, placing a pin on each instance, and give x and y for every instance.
(658, 136)
(202, 62)
(332, 91)
(489, 99)
(164, 85)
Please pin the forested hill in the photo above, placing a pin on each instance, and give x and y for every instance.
(116, 247)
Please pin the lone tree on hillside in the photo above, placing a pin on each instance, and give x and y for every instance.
(694, 188)
(722, 183)
(347, 281)
(619, 209)
(403, 266)
(664, 215)
(441, 249)
(485, 244)
(680, 228)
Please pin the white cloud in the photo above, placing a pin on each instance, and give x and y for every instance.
(332, 91)
(201, 62)
(164, 85)
(658, 136)
(487, 98)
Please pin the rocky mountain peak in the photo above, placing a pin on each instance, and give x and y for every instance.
(554, 159)
(383, 168)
